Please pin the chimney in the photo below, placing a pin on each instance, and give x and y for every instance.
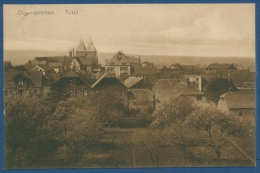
(70, 53)
(73, 52)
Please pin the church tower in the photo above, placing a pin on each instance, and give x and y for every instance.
(91, 50)
(81, 49)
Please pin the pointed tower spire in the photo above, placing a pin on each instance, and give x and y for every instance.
(81, 46)
(91, 46)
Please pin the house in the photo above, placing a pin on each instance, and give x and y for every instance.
(97, 72)
(134, 82)
(72, 84)
(177, 68)
(238, 77)
(120, 64)
(25, 83)
(196, 81)
(147, 64)
(239, 103)
(108, 82)
(56, 66)
(140, 99)
(166, 90)
(189, 68)
(216, 68)
(86, 58)
(217, 87)
(42, 68)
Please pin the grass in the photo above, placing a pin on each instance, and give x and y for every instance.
(127, 148)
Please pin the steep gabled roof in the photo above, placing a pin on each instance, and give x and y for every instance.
(81, 46)
(133, 60)
(118, 60)
(141, 95)
(102, 77)
(67, 60)
(70, 73)
(91, 46)
(191, 91)
(239, 100)
(44, 67)
(84, 60)
(131, 81)
(55, 64)
(163, 88)
(9, 78)
(35, 77)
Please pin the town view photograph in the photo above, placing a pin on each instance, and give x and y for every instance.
(129, 86)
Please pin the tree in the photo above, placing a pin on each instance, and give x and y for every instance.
(76, 127)
(174, 111)
(26, 130)
(218, 125)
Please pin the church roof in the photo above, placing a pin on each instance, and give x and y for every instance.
(91, 46)
(81, 46)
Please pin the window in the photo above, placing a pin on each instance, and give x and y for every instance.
(20, 82)
(77, 93)
(6, 92)
(70, 82)
(85, 93)
(35, 91)
(240, 112)
(123, 68)
(199, 98)
(70, 93)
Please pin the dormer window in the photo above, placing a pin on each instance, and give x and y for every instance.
(20, 82)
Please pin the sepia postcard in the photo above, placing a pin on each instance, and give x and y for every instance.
(129, 86)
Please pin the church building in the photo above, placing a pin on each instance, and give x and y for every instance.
(85, 59)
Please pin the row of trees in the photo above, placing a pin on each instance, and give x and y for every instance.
(36, 128)
(181, 125)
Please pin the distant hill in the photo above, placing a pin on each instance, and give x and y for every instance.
(18, 57)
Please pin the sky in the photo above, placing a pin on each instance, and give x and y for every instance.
(144, 29)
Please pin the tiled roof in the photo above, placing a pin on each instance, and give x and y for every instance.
(237, 100)
(91, 46)
(102, 77)
(149, 64)
(118, 60)
(191, 91)
(133, 60)
(9, 78)
(163, 88)
(220, 67)
(55, 64)
(44, 67)
(141, 95)
(85, 60)
(70, 73)
(67, 60)
(130, 81)
(81, 46)
(144, 71)
(34, 76)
